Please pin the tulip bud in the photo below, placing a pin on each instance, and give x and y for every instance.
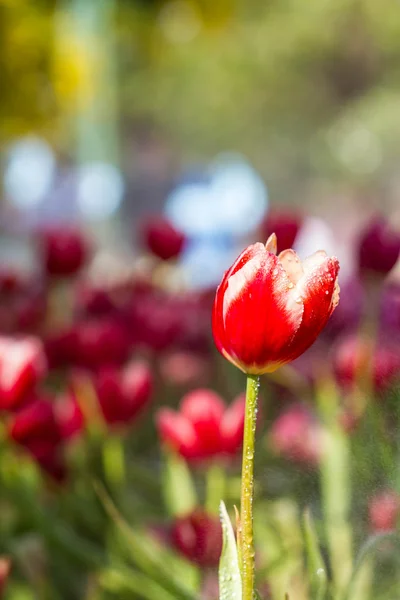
(198, 537)
(161, 238)
(22, 366)
(204, 428)
(295, 435)
(269, 309)
(379, 247)
(384, 509)
(64, 251)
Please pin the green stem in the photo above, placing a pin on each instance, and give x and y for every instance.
(246, 500)
(114, 461)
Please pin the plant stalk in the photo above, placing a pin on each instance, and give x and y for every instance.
(246, 541)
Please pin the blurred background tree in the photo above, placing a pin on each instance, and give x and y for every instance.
(307, 92)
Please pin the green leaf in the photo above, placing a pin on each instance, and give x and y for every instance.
(364, 558)
(230, 582)
(179, 492)
(315, 563)
(158, 564)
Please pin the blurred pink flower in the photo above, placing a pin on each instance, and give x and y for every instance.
(356, 358)
(204, 428)
(184, 368)
(295, 435)
(5, 568)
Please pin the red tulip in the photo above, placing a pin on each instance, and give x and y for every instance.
(285, 223)
(384, 510)
(198, 536)
(295, 435)
(379, 247)
(161, 238)
(64, 251)
(204, 428)
(269, 309)
(124, 394)
(22, 366)
(356, 356)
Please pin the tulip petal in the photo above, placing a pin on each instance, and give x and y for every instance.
(319, 290)
(217, 317)
(292, 265)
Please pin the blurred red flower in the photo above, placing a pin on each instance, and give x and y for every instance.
(124, 394)
(64, 250)
(22, 365)
(383, 511)
(205, 427)
(198, 536)
(358, 359)
(35, 428)
(285, 223)
(269, 309)
(161, 238)
(379, 246)
(101, 342)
